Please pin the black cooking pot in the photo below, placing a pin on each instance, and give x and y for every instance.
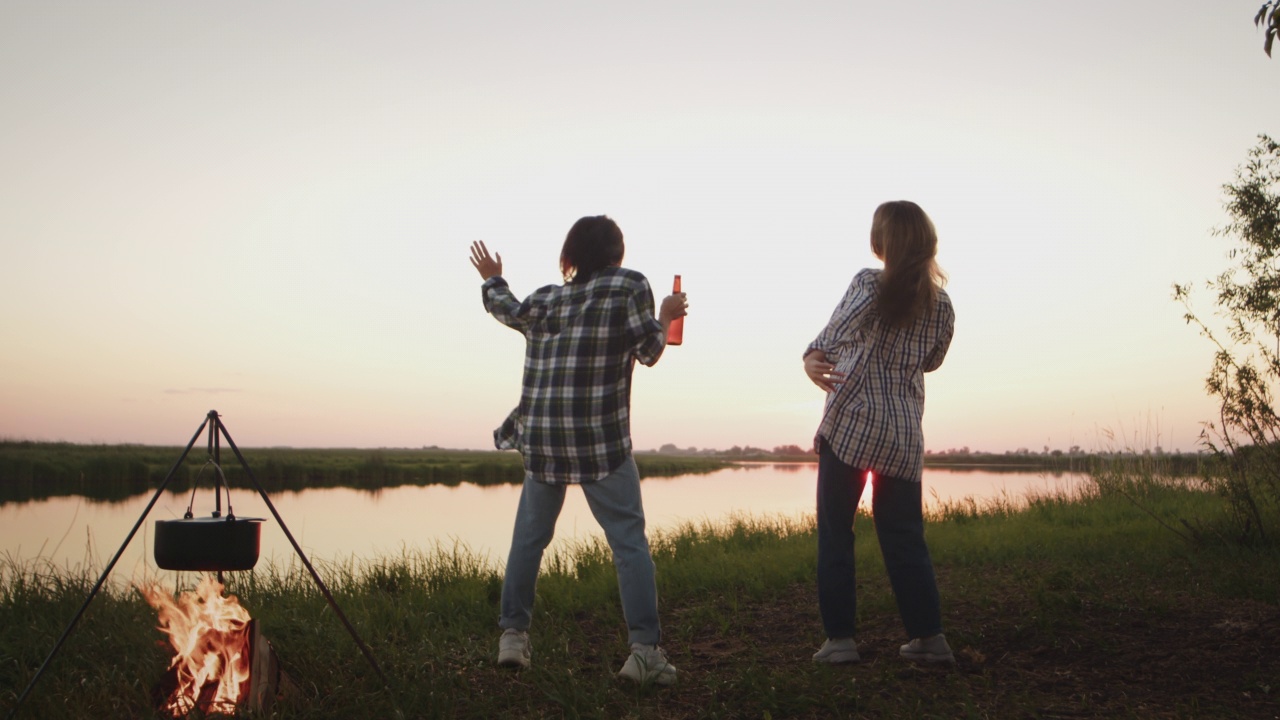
(210, 544)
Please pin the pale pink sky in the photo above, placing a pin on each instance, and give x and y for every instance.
(265, 209)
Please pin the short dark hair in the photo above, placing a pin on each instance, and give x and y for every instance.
(593, 243)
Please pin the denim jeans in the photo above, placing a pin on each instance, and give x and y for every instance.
(899, 522)
(615, 503)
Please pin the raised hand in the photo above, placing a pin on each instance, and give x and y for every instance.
(484, 264)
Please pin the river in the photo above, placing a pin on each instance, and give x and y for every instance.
(342, 524)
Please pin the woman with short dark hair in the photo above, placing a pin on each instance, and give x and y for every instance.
(573, 426)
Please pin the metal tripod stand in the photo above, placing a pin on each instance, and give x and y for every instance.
(217, 431)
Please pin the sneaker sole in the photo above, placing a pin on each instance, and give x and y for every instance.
(663, 679)
(839, 658)
(513, 662)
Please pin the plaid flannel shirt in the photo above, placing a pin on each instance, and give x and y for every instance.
(573, 423)
(873, 421)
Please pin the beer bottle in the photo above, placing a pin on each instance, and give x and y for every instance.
(675, 333)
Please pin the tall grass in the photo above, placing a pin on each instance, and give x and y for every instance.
(426, 615)
(30, 470)
(1175, 501)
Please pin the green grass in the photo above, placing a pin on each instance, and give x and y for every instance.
(1083, 606)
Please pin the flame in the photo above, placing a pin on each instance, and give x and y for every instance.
(210, 639)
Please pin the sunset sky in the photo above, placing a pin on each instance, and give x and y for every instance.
(265, 208)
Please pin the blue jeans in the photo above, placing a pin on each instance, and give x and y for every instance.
(899, 521)
(615, 503)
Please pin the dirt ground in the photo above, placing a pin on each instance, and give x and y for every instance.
(1196, 657)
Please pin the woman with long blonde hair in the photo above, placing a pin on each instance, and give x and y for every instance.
(891, 327)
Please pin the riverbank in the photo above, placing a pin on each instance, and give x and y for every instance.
(1070, 608)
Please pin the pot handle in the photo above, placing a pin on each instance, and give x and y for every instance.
(231, 515)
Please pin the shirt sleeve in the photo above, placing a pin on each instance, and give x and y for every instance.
(947, 328)
(643, 329)
(850, 315)
(503, 305)
(510, 435)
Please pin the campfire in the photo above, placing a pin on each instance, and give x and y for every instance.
(221, 662)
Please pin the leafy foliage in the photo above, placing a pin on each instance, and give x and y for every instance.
(1246, 365)
(1268, 17)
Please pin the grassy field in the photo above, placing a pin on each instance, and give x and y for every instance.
(1080, 607)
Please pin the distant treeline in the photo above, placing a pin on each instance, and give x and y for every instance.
(1162, 463)
(1169, 464)
(36, 470)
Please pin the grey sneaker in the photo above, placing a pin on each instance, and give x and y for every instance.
(648, 663)
(931, 649)
(837, 652)
(513, 648)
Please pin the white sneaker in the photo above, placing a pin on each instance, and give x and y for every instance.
(513, 648)
(837, 652)
(648, 663)
(931, 649)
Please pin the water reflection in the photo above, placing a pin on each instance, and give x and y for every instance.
(340, 524)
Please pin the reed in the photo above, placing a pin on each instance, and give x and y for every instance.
(32, 471)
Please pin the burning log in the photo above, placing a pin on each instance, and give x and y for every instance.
(221, 661)
(267, 680)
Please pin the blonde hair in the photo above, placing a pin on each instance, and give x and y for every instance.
(903, 236)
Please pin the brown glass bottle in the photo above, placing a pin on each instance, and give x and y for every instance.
(675, 333)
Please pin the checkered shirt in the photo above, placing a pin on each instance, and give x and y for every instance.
(873, 420)
(573, 424)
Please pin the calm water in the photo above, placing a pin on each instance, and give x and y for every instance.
(339, 524)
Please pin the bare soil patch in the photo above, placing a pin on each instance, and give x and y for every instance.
(1195, 656)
